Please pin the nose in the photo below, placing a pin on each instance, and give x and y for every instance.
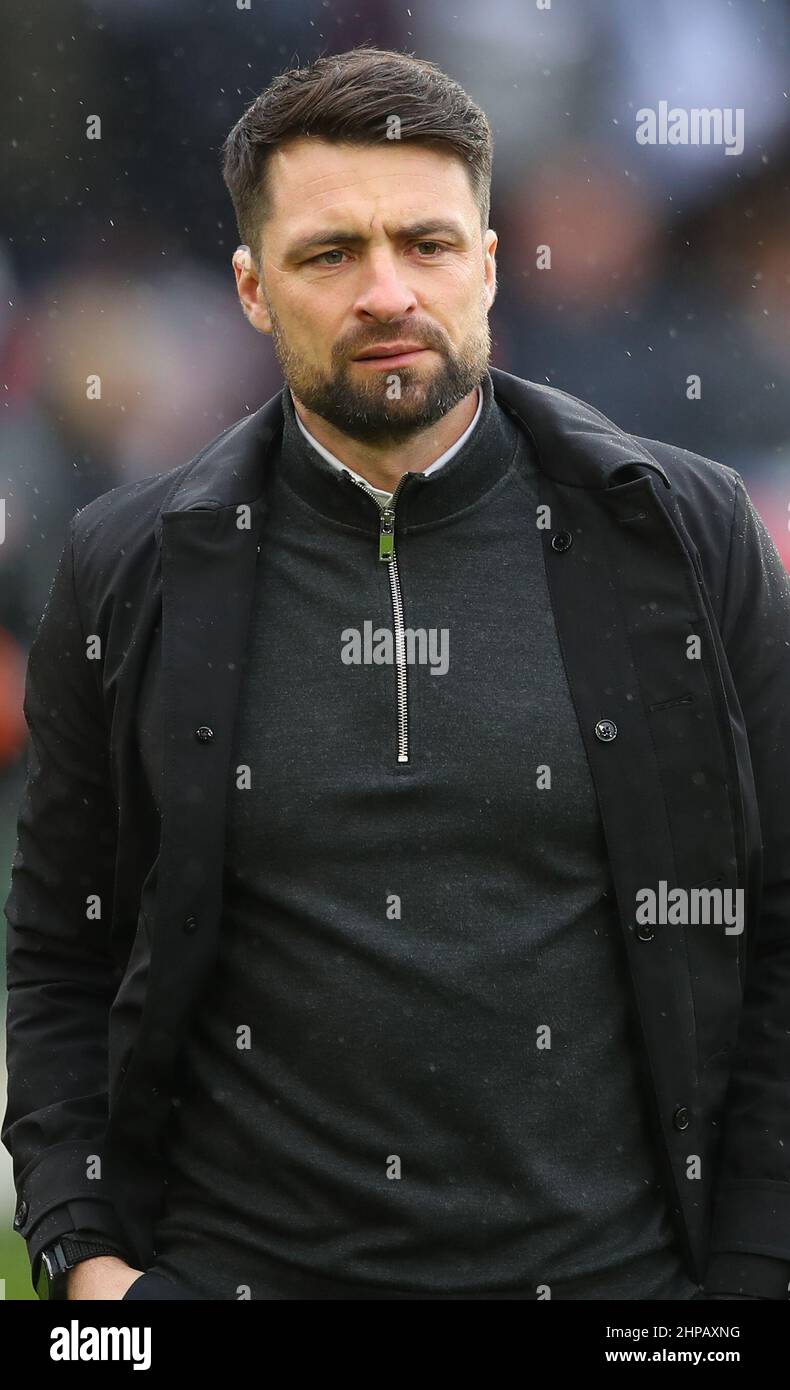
(386, 294)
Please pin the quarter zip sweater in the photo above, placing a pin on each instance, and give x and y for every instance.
(416, 1072)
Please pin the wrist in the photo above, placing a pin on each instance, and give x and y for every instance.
(87, 1268)
(59, 1259)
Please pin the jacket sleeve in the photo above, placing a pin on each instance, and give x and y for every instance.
(61, 978)
(751, 1212)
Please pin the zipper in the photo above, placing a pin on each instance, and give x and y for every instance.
(387, 554)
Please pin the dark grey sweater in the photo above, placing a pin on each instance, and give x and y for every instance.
(416, 1072)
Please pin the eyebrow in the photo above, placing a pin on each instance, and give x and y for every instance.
(415, 231)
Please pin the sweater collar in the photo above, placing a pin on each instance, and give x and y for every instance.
(483, 454)
(379, 493)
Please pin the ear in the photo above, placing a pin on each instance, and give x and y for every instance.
(249, 290)
(489, 250)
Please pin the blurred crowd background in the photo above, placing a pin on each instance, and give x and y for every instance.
(667, 261)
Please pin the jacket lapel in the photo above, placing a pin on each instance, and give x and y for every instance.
(626, 592)
(208, 534)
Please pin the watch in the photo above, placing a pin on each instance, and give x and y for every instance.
(61, 1256)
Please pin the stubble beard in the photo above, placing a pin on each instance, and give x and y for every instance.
(364, 403)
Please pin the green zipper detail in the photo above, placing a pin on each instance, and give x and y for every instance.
(387, 534)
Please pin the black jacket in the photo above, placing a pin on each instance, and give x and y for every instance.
(114, 914)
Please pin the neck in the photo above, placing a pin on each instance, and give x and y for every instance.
(384, 465)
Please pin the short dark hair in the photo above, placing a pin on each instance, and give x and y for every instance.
(350, 98)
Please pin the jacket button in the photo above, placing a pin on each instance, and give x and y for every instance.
(204, 733)
(21, 1213)
(680, 1119)
(645, 931)
(190, 924)
(605, 730)
(562, 540)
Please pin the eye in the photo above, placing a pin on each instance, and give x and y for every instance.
(334, 252)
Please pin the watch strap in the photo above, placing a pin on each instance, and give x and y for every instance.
(77, 1248)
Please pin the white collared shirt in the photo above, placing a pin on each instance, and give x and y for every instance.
(382, 497)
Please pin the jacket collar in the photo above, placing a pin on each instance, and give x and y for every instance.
(575, 444)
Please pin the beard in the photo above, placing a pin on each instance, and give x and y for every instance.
(356, 400)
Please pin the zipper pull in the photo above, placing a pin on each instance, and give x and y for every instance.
(387, 534)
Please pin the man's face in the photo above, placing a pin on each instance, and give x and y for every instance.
(396, 254)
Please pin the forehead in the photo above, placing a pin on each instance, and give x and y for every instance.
(310, 176)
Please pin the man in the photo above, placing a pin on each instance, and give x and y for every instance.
(360, 747)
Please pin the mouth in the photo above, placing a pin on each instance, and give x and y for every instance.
(391, 357)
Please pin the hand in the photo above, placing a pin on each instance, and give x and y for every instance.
(103, 1276)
